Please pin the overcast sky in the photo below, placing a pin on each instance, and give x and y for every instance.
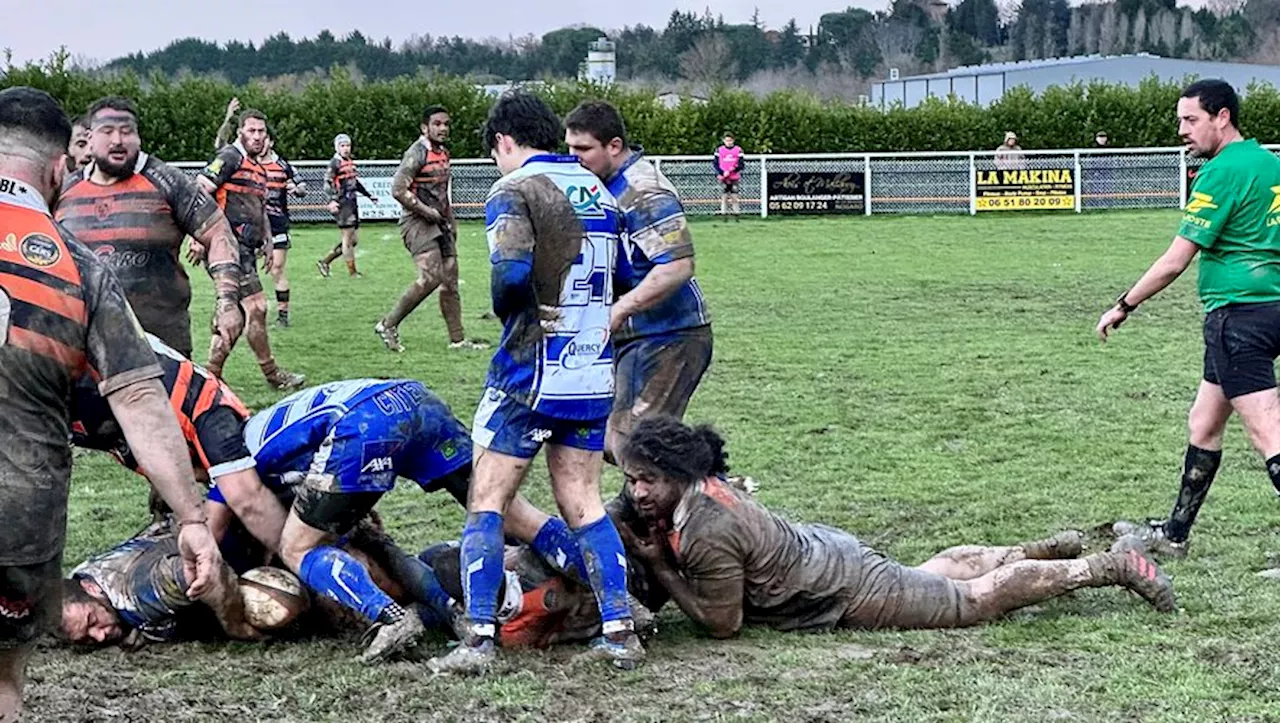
(101, 31)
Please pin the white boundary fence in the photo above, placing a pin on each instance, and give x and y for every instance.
(852, 183)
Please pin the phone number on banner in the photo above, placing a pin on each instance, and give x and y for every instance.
(1024, 203)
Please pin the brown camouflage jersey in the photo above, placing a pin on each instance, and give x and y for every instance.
(63, 315)
(136, 226)
(241, 192)
(424, 171)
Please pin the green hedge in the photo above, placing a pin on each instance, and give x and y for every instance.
(180, 117)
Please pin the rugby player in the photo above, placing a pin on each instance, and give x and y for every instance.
(133, 210)
(212, 419)
(282, 182)
(430, 233)
(236, 178)
(66, 317)
(136, 593)
(348, 441)
(342, 181)
(553, 235)
(1232, 221)
(728, 162)
(78, 155)
(659, 322)
(727, 561)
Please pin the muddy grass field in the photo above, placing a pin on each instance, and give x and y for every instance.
(921, 382)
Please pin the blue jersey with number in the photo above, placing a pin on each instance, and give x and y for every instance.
(553, 231)
(654, 231)
(366, 432)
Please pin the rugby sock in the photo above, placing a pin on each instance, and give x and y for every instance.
(555, 543)
(282, 301)
(1198, 470)
(340, 577)
(421, 582)
(451, 310)
(1273, 469)
(482, 573)
(606, 564)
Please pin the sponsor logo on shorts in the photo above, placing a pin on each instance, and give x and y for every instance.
(39, 249)
(584, 349)
(377, 464)
(540, 435)
(377, 458)
(448, 449)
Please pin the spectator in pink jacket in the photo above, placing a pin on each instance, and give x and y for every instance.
(728, 162)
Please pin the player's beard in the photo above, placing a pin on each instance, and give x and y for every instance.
(118, 171)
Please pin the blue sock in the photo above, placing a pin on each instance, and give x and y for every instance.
(421, 582)
(340, 577)
(482, 574)
(556, 544)
(607, 570)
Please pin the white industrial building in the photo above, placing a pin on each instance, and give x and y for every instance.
(984, 84)
(601, 65)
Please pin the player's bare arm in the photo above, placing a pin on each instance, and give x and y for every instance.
(254, 505)
(401, 189)
(149, 426)
(660, 283)
(217, 246)
(716, 605)
(224, 599)
(1163, 272)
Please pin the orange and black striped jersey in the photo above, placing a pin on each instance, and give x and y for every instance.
(210, 414)
(424, 171)
(63, 316)
(241, 192)
(280, 174)
(136, 227)
(342, 180)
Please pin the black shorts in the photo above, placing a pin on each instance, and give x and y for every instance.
(348, 214)
(1241, 343)
(250, 284)
(731, 188)
(220, 440)
(281, 242)
(333, 512)
(30, 601)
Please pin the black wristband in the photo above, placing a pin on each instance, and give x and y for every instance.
(1124, 305)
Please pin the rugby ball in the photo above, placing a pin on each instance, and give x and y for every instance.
(273, 598)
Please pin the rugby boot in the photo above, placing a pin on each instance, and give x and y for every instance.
(1066, 545)
(472, 656)
(389, 639)
(645, 622)
(390, 336)
(624, 650)
(283, 380)
(469, 344)
(1136, 572)
(282, 319)
(323, 267)
(1152, 535)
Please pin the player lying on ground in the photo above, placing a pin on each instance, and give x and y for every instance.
(348, 442)
(727, 561)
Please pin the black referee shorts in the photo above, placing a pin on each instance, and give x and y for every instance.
(1241, 343)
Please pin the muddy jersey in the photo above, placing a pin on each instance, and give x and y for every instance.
(136, 226)
(280, 174)
(63, 316)
(552, 228)
(241, 192)
(424, 171)
(211, 416)
(789, 576)
(343, 180)
(143, 581)
(654, 231)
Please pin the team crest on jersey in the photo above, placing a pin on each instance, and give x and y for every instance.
(39, 250)
(586, 200)
(102, 209)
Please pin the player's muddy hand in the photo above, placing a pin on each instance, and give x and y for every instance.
(228, 319)
(201, 560)
(196, 252)
(267, 259)
(1114, 317)
(549, 317)
(650, 549)
(616, 319)
(333, 207)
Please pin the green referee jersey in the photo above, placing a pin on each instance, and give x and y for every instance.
(1233, 215)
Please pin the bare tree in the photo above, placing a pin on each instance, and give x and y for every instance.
(1139, 31)
(709, 61)
(1108, 30)
(1222, 8)
(1122, 34)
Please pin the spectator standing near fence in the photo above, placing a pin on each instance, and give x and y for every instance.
(728, 163)
(1009, 155)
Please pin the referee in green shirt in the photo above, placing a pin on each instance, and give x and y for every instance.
(1232, 219)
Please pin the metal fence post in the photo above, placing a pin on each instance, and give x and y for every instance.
(973, 185)
(1182, 177)
(1078, 184)
(866, 185)
(764, 187)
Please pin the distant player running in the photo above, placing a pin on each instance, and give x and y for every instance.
(236, 178)
(553, 235)
(430, 233)
(1233, 222)
(342, 183)
(728, 162)
(348, 442)
(729, 562)
(660, 323)
(282, 182)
